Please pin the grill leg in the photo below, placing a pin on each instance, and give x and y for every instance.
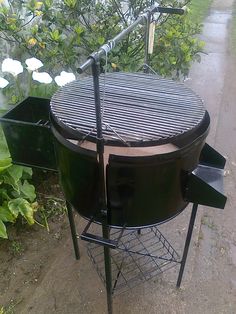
(187, 243)
(107, 260)
(73, 230)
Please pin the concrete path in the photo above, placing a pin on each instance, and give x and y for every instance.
(215, 81)
(209, 284)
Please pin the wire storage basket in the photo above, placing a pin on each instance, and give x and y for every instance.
(140, 256)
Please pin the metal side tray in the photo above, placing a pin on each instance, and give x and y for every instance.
(205, 183)
(27, 130)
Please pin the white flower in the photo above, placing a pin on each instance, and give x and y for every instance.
(42, 77)
(12, 66)
(64, 78)
(3, 82)
(33, 64)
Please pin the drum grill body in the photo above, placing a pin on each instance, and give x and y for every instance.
(140, 111)
(140, 157)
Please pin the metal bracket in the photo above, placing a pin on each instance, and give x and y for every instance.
(89, 237)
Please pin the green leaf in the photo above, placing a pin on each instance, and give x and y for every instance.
(70, 3)
(5, 163)
(28, 191)
(4, 194)
(13, 207)
(3, 231)
(27, 173)
(24, 207)
(15, 172)
(48, 3)
(5, 213)
(55, 35)
(14, 99)
(79, 30)
(12, 176)
(12, 182)
(101, 40)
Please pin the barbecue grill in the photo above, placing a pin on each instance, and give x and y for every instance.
(134, 161)
(131, 162)
(153, 132)
(149, 163)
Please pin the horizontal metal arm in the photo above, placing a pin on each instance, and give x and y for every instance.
(112, 43)
(92, 238)
(89, 237)
(99, 240)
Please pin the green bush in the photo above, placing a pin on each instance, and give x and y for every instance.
(62, 33)
(177, 47)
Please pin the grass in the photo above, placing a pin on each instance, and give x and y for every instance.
(52, 207)
(16, 247)
(199, 9)
(9, 309)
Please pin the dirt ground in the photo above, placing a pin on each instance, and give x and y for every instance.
(38, 274)
(26, 256)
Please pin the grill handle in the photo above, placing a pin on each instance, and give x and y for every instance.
(169, 10)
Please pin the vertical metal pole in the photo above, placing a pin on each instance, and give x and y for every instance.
(73, 230)
(146, 57)
(187, 243)
(100, 142)
(107, 261)
(102, 185)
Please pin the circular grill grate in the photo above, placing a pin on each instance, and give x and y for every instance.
(138, 108)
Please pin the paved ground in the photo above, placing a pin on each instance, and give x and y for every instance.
(209, 285)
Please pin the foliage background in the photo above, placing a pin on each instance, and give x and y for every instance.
(63, 33)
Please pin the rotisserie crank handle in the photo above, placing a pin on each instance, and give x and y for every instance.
(169, 10)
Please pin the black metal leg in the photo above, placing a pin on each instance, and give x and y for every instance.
(73, 230)
(187, 243)
(107, 260)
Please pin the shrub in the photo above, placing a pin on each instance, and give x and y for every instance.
(62, 33)
(17, 195)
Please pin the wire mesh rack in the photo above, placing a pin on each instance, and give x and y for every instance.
(139, 256)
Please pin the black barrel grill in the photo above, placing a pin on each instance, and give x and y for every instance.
(131, 153)
(153, 133)
(154, 162)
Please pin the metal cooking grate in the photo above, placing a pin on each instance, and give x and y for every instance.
(137, 107)
(138, 258)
